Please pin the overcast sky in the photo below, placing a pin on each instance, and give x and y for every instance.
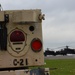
(59, 23)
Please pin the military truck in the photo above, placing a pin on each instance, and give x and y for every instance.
(21, 44)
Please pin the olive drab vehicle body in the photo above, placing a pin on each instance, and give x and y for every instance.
(21, 42)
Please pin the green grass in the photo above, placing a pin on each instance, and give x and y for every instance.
(63, 66)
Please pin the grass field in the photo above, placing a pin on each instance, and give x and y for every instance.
(61, 66)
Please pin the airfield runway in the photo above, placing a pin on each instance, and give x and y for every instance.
(61, 57)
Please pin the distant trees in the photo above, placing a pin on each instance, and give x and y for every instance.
(64, 51)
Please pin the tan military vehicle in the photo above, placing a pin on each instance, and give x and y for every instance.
(21, 44)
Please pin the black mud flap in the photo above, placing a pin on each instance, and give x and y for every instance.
(38, 71)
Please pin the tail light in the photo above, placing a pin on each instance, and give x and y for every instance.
(36, 45)
(17, 36)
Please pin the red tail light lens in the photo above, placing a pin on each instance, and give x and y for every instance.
(36, 45)
(17, 36)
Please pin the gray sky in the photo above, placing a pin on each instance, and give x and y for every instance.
(59, 24)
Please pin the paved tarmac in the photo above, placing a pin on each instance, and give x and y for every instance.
(61, 57)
